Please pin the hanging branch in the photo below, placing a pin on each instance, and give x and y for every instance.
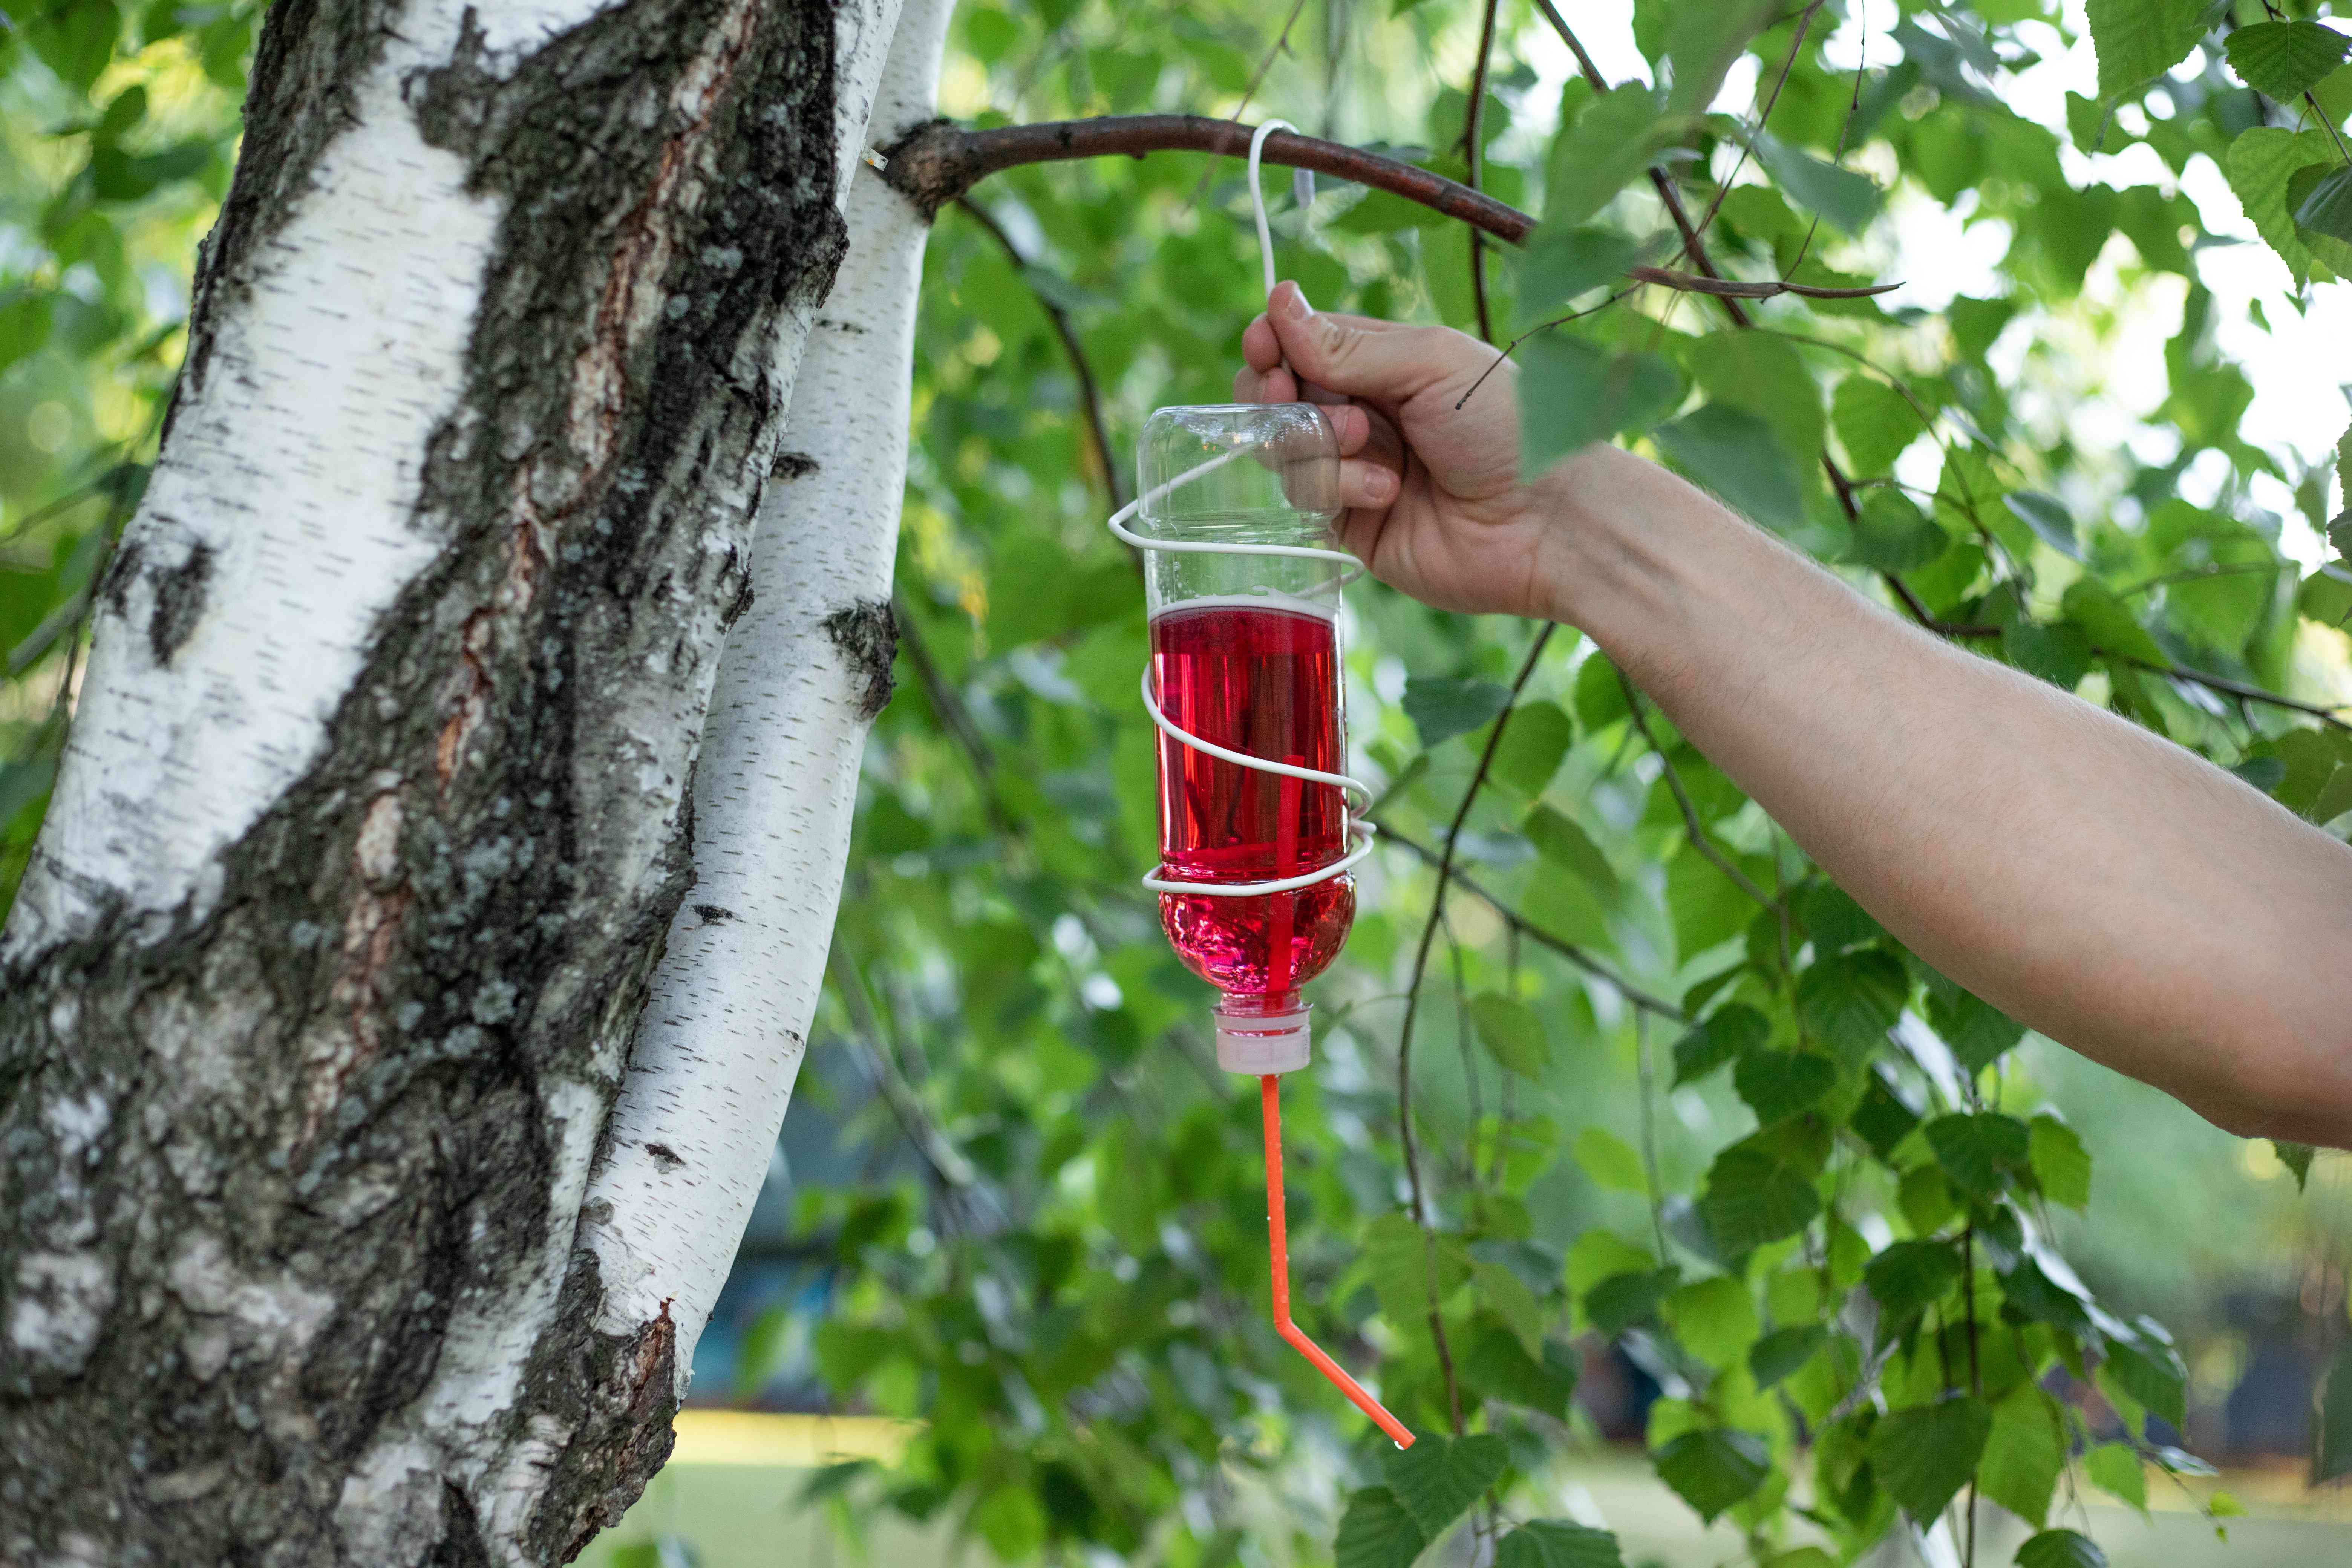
(1692, 828)
(1474, 151)
(1412, 1010)
(1738, 289)
(1089, 394)
(1522, 926)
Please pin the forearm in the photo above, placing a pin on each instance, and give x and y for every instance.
(2099, 884)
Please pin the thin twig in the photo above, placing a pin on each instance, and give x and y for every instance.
(1523, 926)
(1257, 79)
(1740, 289)
(1692, 828)
(1650, 1133)
(2329, 714)
(1089, 392)
(1508, 350)
(1474, 138)
(1413, 1009)
(1763, 114)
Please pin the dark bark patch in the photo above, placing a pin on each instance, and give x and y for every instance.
(460, 1545)
(793, 466)
(931, 164)
(114, 588)
(179, 602)
(866, 633)
(665, 1156)
(712, 914)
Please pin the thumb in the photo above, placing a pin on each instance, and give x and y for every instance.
(1356, 355)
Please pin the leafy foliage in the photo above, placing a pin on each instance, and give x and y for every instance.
(1838, 1251)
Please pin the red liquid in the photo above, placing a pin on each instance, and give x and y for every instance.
(1264, 682)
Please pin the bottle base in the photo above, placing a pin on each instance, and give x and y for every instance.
(1259, 1043)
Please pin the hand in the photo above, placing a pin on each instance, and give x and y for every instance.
(1436, 506)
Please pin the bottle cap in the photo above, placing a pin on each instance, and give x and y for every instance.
(1262, 1043)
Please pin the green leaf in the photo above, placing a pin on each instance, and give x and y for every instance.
(1512, 1035)
(1533, 743)
(2061, 1164)
(1703, 38)
(2151, 1373)
(2038, 1297)
(1556, 1543)
(1980, 1152)
(1885, 1115)
(2115, 1467)
(1399, 1256)
(1848, 1002)
(1909, 1277)
(2282, 60)
(23, 324)
(2138, 40)
(2259, 165)
(2060, 1549)
(1715, 1319)
(1437, 1479)
(1731, 1032)
(1763, 374)
(1777, 1085)
(1571, 394)
(1558, 264)
(1784, 1350)
(1752, 1200)
(1923, 1455)
(1872, 422)
(1499, 1365)
(2048, 518)
(2331, 1454)
(1377, 1531)
(1892, 534)
(1610, 1161)
(2295, 1157)
(1737, 456)
(1979, 1033)
(2109, 624)
(1714, 1468)
(1607, 145)
(1846, 199)
(1620, 1301)
(2026, 1454)
(1559, 840)
(2321, 199)
(1442, 708)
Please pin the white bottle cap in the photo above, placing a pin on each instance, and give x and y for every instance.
(1262, 1043)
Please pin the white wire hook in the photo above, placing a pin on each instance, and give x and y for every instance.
(1359, 831)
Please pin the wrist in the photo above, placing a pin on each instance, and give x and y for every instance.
(1612, 552)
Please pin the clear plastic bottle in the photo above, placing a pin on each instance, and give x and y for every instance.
(1246, 656)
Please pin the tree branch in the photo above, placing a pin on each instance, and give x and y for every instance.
(1737, 289)
(935, 163)
(1089, 394)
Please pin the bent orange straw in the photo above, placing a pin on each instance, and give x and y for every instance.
(1270, 1097)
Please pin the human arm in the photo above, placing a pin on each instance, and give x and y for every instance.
(2098, 883)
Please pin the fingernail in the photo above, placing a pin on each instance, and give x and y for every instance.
(1380, 484)
(1291, 300)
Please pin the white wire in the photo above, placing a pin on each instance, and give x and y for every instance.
(1359, 832)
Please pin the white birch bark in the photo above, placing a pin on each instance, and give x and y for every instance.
(800, 680)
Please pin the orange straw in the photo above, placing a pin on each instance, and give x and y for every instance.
(1270, 1095)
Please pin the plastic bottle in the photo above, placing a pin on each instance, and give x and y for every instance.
(1246, 656)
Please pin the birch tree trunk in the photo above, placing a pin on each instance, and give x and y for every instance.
(317, 993)
(803, 675)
